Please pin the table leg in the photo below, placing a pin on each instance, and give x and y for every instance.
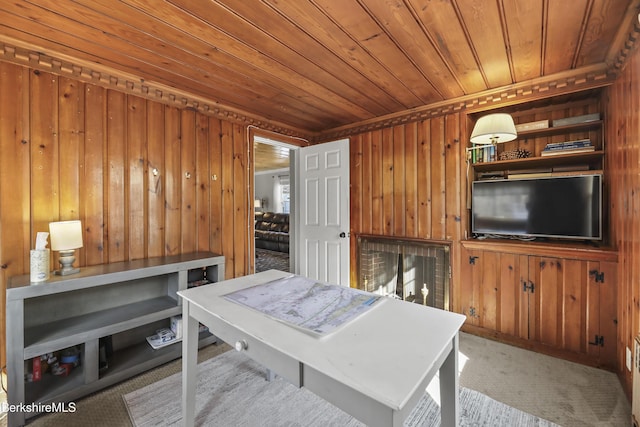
(189, 365)
(449, 388)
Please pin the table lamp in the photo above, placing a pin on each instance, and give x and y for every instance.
(66, 237)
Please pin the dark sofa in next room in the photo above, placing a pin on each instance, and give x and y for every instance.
(272, 231)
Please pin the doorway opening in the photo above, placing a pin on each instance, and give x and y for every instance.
(274, 204)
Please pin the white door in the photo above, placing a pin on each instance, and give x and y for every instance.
(322, 241)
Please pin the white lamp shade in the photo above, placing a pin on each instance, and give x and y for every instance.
(492, 128)
(65, 235)
(257, 203)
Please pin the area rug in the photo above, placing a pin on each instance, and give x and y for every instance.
(232, 391)
(271, 260)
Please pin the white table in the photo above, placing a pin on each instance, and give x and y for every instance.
(376, 367)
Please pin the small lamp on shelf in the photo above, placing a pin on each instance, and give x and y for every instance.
(492, 129)
(66, 237)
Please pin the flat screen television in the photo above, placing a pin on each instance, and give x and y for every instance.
(565, 207)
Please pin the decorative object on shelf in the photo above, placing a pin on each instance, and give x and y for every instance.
(39, 259)
(515, 154)
(66, 237)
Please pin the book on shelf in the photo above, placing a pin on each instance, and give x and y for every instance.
(568, 144)
(567, 151)
(540, 124)
(483, 154)
(576, 120)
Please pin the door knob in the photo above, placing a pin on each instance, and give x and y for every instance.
(343, 235)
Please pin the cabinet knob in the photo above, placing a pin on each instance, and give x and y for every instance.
(241, 345)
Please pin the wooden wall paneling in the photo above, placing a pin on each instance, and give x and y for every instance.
(622, 135)
(15, 180)
(618, 195)
(367, 200)
(119, 164)
(634, 189)
(399, 184)
(411, 180)
(71, 152)
(156, 185)
(136, 154)
(574, 314)
(453, 183)
(241, 200)
(387, 182)
(45, 178)
(172, 181)
(438, 179)
(188, 181)
(71, 149)
(217, 192)
(226, 212)
(203, 184)
(356, 197)
(117, 221)
(93, 201)
(424, 187)
(377, 188)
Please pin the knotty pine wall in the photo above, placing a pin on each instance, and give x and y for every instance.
(70, 150)
(622, 109)
(409, 180)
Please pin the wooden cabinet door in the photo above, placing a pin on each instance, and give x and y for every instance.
(601, 327)
(471, 276)
(568, 304)
(545, 274)
(493, 291)
(514, 300)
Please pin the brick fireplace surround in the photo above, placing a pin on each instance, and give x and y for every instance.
(413, 270)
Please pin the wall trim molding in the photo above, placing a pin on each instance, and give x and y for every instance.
(13, 51)
(558, 84)
(584, 78)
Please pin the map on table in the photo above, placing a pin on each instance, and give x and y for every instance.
(308, 304)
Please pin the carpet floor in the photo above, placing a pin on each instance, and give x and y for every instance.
(566, 393)
(271, 260)
(232, 390)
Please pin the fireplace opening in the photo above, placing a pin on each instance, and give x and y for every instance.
(411, 270)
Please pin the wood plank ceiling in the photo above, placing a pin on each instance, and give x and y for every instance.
(315, 65)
